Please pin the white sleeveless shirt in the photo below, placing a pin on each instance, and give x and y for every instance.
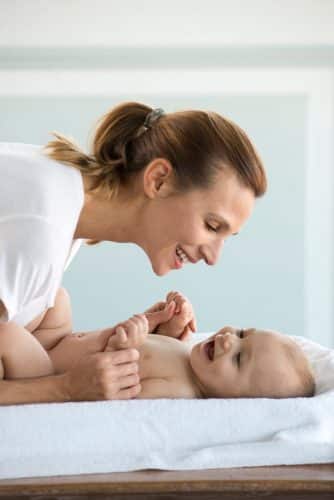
(40, 203)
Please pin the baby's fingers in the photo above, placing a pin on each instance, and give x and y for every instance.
(186, 311)
(193, 325)
(117, 339)
(186, 334)
(121, 336)
(141, 321)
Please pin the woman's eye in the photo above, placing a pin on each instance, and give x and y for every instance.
(241, 334)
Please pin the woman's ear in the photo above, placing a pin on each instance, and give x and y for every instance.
(158, 178)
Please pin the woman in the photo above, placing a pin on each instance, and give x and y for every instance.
(175, 184)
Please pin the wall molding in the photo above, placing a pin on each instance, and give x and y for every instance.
(316, 84)
(165, 57)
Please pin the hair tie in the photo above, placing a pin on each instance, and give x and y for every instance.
(152, 117)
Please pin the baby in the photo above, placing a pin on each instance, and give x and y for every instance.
(231, 363)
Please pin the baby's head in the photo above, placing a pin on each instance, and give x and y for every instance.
(254, 363)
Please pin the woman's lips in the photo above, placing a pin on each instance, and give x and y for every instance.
(178, 262)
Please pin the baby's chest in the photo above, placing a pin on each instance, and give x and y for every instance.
(159, 360)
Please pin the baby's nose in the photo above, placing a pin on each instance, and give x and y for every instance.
(226, 340)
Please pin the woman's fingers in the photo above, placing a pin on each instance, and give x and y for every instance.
(125, 369)
(103, 376)
(129, 381)
(123, 356)
(129, 393)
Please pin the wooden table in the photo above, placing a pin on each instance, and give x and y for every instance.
(298, 482)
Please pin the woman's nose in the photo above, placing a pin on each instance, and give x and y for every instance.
(212, 252)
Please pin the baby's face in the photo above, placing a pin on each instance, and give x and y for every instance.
(242, 363)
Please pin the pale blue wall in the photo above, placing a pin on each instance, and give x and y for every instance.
(259, 280)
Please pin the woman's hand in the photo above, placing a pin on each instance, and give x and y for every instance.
(99, 376)
(129, 334)
(182, 322)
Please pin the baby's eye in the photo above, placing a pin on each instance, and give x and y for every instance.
(239, 358)
(211, 228)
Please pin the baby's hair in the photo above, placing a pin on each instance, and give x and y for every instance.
(293, 379)
(305, 385)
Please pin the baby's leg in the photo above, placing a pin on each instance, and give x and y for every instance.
(21, 355)
(56, 322)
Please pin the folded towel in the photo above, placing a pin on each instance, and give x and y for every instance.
(99, 437)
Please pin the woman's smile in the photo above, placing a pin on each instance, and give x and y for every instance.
(182, 257)
(184, 229)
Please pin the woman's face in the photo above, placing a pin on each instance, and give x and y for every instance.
(242, 363)
(179, 229)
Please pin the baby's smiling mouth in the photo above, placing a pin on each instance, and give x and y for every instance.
(210, 349)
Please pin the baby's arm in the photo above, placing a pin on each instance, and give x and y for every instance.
(131, 333)
(55, 323)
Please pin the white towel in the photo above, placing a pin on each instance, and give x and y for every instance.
(99, 437)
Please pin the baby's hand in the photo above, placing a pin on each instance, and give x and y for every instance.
(128, 334)
(183, 321)
(159, 313)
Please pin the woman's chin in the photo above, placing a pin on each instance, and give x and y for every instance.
(159, 270)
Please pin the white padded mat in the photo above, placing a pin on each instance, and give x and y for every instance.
(100, 437)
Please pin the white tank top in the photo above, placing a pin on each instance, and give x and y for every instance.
(40, 203)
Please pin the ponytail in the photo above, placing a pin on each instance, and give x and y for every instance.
(108, 162)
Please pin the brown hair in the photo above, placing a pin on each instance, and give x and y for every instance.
(196, 143)
(295, 380)
(305, 382)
